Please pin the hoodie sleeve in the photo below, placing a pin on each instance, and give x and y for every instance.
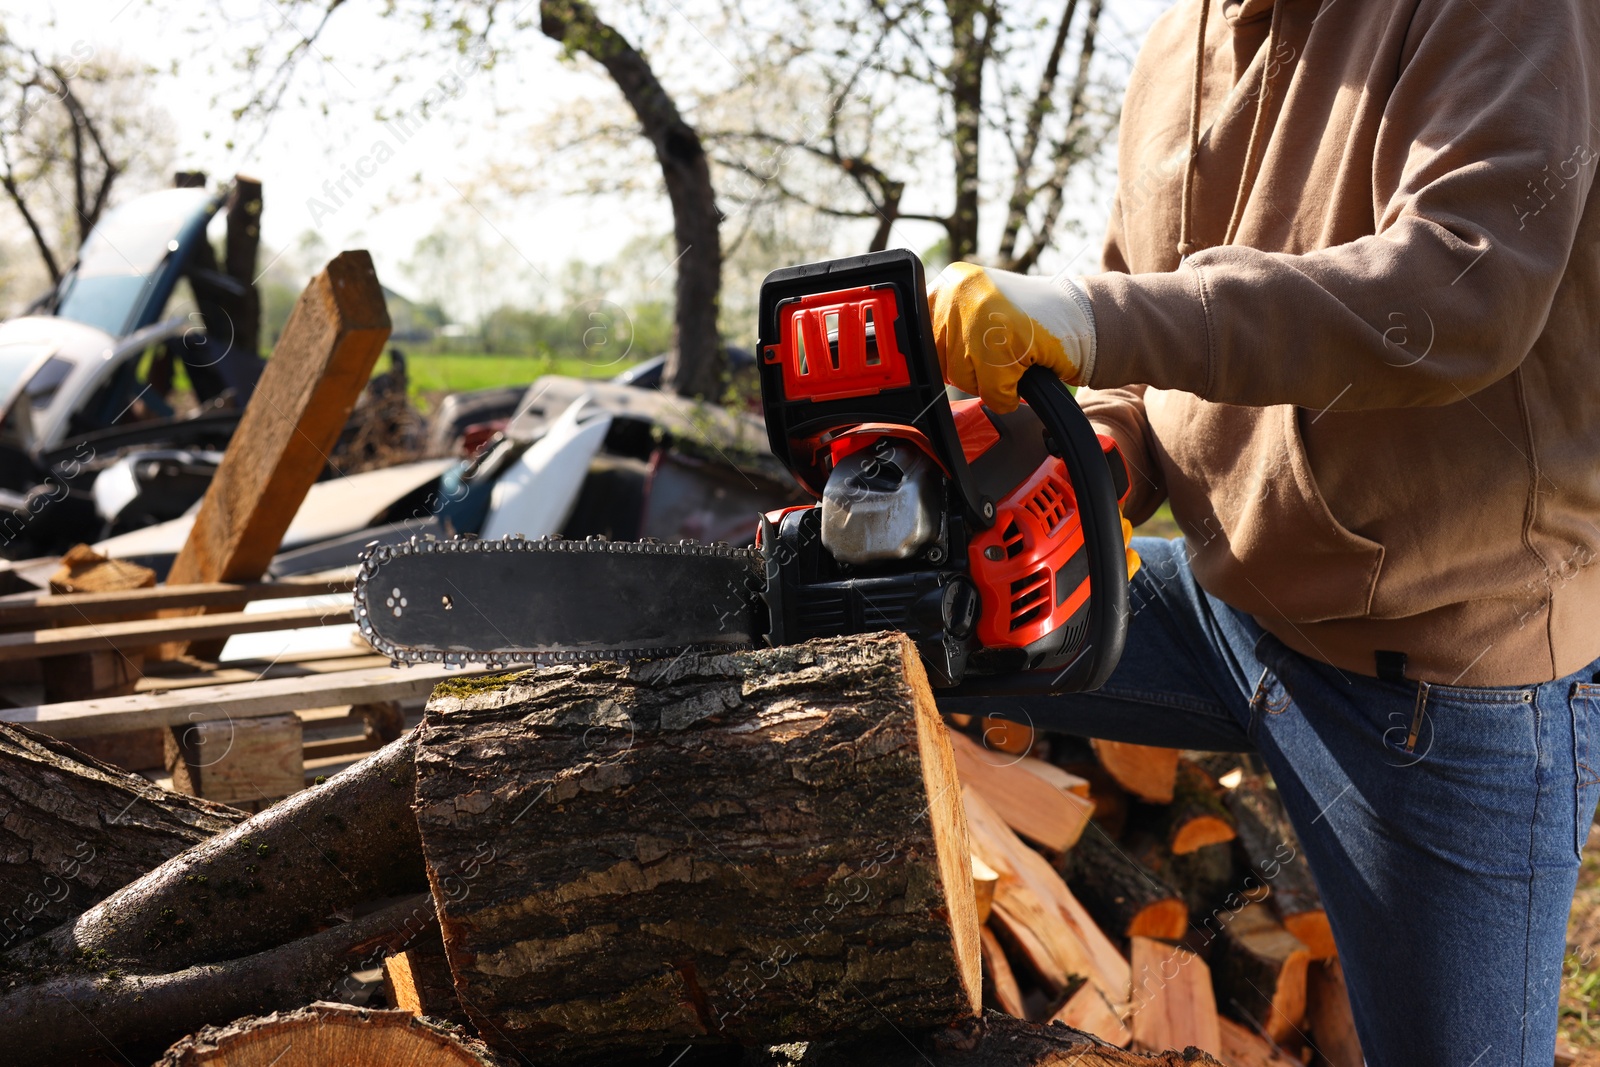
(1119, 412)
(1481, 173)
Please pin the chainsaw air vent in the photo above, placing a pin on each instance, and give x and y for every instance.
(1029, 597)
(1049, 505)
(1013, 540)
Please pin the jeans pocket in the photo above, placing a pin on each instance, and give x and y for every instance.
(1585, 760)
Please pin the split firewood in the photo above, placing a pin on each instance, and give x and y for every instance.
(1243, 1047)
(1003, 735)
(1143, 770)
(326, 1033)
(1038, 915)
(271, 878)
(756, 847)
(1087, 1010)
(984, 879)
(83, 1009)
(1034, 803)
(1111, 803)
(1126, 898)
(1205, 879)
(1173, 1005)
(994, 1041)
(1196, 817)
(1333, 1026)
(74, 829)
(418, 979)
(1268, 844)
(1260, 970)
(1000, 985)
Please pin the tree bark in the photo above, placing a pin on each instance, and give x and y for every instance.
(969, 47)
(1261, 971)
(1196, 817)
(72, 829)
(274, 877)
(1125, 897)
(325, 1033)
(695, 366)
(994, 1041)
(756, 847)
(88, 1010)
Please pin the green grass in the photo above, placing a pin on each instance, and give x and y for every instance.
(434, 374)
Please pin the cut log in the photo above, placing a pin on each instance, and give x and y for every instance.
(1003, 735)
(73, 829)
(1206, 878)
(1260, 972)
(273, 877)
(418, 980)
(1267, 843)
(1032, 803)
(1125, 897)
(755, 847)
(984, 878)
(994, 1041)
(88, 1011)
(324, 1034)
(1143, 770)
(1088, 1011)
(1173, 1006)
(1000, 988)
(1038, 913)
(1111, 804)
(1333, 1025)
(317, 371)
(1243, 1047)
(1196, 817)
(244, 762)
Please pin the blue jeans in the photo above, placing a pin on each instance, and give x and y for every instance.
(1446, 862)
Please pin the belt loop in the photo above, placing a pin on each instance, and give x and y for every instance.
(1391, 666)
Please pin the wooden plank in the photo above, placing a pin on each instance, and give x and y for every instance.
(1029, 803)
(239, 762)
(1173, 1006)
(86, 718)
(320, 365)
(139, 633)
(36, 610)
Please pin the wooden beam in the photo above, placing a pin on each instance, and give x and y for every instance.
(317, 371)
(36, 610)
(138, 633)
(86, 718)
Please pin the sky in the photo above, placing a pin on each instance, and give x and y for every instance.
(329, 165)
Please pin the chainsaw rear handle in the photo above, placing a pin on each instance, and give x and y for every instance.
(1080, 449)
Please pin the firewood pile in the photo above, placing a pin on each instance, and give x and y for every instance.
(776, 857)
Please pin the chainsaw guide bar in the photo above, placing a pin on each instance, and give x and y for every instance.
(516, 601)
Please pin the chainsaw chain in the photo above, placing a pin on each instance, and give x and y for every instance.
(376, 554)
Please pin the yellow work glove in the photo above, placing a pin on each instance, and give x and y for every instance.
(991, 325)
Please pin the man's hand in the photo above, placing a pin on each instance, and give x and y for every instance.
(991, 325)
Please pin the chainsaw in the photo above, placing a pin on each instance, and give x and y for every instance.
(994, 541)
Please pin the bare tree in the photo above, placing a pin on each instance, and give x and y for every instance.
(967, 64)
(69, 132)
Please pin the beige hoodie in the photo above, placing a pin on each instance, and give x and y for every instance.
(1372, 388)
